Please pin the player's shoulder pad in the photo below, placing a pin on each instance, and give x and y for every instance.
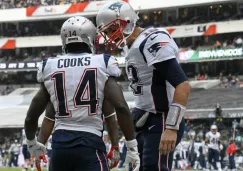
(110, 60)
(111, 65)
(157, 40)
(40, 71)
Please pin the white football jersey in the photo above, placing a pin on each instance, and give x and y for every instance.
(197, 146)
(185, 145)
(178, 150)
(153, 45)
(213, 140)
(76, 84)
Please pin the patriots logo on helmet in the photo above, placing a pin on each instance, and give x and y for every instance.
(155, 47)
(116, 6)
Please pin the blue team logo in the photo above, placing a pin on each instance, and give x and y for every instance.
(156, 47)
(116, 6)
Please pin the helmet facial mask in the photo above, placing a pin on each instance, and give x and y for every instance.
(113, 34)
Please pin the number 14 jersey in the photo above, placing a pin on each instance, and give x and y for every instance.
(152, 92)
(76, 84)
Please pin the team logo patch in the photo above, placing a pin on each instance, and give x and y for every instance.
(116, 6)
(156, 47)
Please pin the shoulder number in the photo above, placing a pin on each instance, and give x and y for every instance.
(87, 86)
(135, 80)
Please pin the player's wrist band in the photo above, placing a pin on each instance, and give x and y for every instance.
(132, 143)
(53, 120)
(114, 113)
(175, 116)
(32, 141)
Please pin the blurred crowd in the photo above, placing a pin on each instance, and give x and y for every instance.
(187, 155)
(29, 54)
(8, 4)
(231, 81)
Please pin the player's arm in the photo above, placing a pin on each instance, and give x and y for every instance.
(114, 95)
(47, 124)
(206, 138)
(160, 51)
(114, 154)
(219, 142)
(173, 73)
(37, 107)
(110, 119)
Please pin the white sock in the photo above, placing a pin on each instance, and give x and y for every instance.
(218, 164)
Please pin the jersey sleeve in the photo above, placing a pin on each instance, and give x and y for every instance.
(158, 47)
(40, 71)
(219, 135)
(207, 135)
(112, 66)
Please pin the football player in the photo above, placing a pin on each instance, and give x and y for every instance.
(214, 146)
(160, 86)
(79, 85)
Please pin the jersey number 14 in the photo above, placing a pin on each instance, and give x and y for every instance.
(87, 84)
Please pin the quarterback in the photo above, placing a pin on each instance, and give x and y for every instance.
(159, 85)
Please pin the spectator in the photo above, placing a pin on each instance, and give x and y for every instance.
(220, 77)
(231, 150)
(229, 79)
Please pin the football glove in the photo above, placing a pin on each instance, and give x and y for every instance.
(38, 161)
(132, 156)
(113, 157)
(35, 148)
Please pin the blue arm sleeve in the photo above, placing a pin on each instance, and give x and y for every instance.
(171, 71)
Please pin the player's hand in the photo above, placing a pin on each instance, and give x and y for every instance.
(132, 156)
(168, 141)
(113, 157)
(35, 148)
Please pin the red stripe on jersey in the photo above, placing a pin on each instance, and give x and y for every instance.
(163, 43)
